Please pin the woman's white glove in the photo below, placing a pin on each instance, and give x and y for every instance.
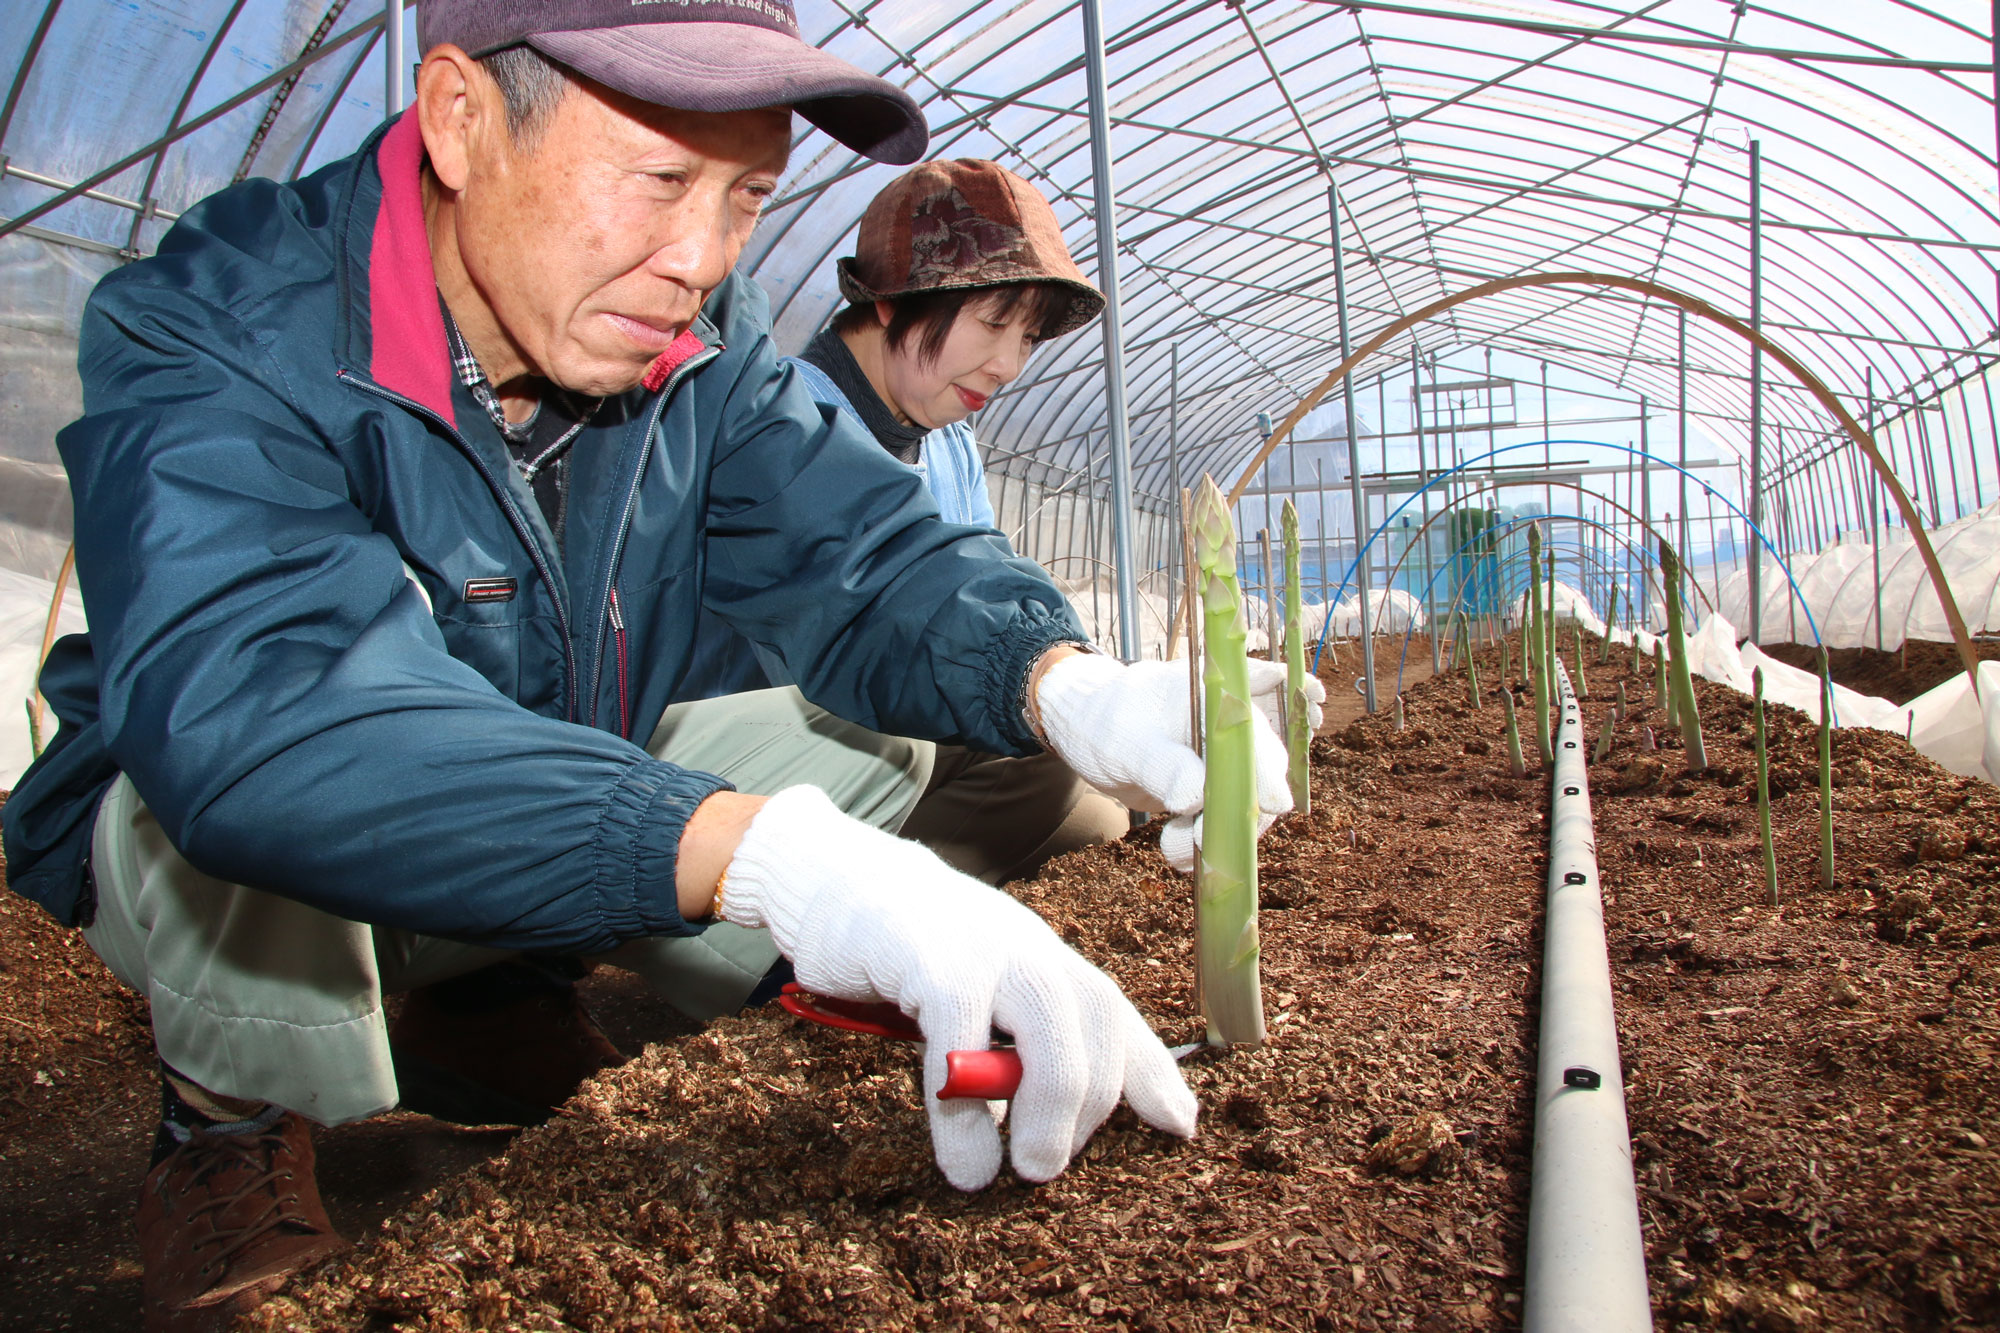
(1126, 730)
(864, 915)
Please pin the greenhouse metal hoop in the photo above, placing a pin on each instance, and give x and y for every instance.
(1625, 448)
(1410, 632)
(1452, 506)
(1694, 305)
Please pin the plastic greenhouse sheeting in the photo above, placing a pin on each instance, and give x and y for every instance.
(1514, 150)
(24, 613)
(1837, 585)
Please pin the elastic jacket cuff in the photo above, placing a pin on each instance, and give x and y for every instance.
(638, 844)
(1014, 655)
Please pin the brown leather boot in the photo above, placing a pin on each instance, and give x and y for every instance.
(224, 1220)
(505, 1047)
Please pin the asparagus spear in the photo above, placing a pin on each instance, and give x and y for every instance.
(1298, 709)
(1683, 679)
(1226, 919)
(1538, 638)
(1472, 674)
(1514, 762)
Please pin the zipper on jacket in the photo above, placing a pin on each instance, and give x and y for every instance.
(624, 700)
(514, 516)
(681, 371)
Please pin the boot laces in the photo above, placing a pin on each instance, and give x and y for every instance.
(254, 1154)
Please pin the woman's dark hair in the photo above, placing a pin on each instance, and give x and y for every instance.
(928, 316)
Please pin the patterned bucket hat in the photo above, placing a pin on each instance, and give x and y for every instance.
(948, 225)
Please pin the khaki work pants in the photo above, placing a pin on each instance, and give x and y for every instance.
(257, 996)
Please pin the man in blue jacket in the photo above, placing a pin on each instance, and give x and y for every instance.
(399, 491)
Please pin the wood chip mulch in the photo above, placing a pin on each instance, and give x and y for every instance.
(1812, 1087)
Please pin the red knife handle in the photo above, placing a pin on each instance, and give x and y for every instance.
(992, 1075)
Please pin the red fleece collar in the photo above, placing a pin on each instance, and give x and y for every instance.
(409, 352)
(667, 362)
(411, 355)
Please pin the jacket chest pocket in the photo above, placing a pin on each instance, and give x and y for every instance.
(486, 636)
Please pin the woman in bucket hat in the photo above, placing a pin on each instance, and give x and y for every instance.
(959, 272)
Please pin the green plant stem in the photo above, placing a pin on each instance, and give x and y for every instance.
(1763, 783)
(1472, 674)
(1539, 639)
(1603, 743)
(1825, 771)
(1515, 765)
(1610, 623)
(1582, 685)
(1226, 919)
(1549, 634)
(1686, 712)
(1298, 708)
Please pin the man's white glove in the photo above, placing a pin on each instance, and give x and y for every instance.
(1126, 730)
(864, 915)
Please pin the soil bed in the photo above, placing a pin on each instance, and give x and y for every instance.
(1812, 1087)
(1898, 676)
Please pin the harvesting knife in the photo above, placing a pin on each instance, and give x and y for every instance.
(991, 1075)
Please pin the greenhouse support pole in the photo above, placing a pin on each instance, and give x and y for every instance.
(1645, 463)
(1114, 331)
(1586, 1264)
(1714, 550)
(392, 59)
(1874, 503)
(1424, 483)
(1681, 455)
(1754, 502)
(1176, 559)
(1353, 452)
(1791, 523)
(1292, 466)
(1548, 448)
(1325, 574)
(1971, 440)
(1091, 541)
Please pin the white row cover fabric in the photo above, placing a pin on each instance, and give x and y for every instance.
(1393, 612)
(24, 615)
(1837, 586)
(1951, 724)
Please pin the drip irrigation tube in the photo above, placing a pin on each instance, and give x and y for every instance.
(1586, 1267)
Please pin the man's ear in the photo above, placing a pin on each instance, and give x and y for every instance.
(884, 313)
(454, 100)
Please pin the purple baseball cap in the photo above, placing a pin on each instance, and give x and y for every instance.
(698, 55)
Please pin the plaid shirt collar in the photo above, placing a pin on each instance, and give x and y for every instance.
(466, 366)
